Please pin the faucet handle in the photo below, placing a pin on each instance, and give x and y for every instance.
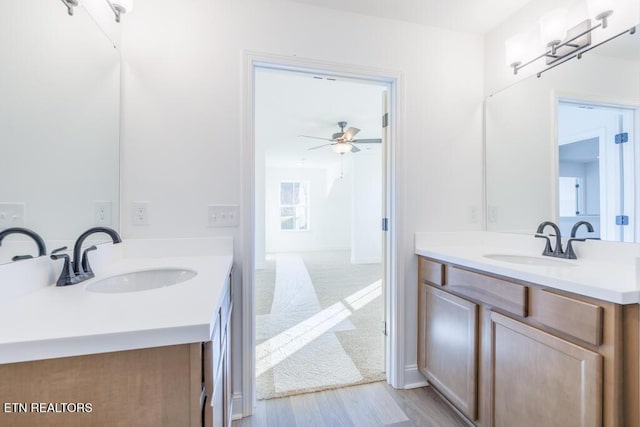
(55, 251)
(67, 277)
(547, 245)
(85, 267)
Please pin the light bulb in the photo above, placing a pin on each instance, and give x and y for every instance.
(515, 49)
(553, 26)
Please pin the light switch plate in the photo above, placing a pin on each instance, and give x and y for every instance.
(12, 214)
(223, 215)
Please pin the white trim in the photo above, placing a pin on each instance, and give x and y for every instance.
(414, 378)
(236, 413)
(395, 79)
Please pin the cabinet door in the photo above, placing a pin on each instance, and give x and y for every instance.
(542, 380)
(448, 346)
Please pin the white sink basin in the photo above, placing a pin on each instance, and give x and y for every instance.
(141, 280)
(530, 260)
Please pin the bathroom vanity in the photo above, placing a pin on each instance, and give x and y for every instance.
(158, 357)
(512, 337)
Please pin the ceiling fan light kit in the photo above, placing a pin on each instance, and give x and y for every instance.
(342, 142)
(342, 147)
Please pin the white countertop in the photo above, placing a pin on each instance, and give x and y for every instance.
(50, 321)
(610, 276)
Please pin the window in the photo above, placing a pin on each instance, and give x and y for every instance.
(294, 206)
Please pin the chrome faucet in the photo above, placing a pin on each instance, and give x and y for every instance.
(557, 250)
(79, 270)
(42, 249)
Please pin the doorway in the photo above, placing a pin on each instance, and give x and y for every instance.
(597, 169)
(319, 253)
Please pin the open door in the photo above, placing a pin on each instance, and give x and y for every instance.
(386, 215)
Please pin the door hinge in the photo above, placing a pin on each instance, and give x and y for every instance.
(384, 328)
(621, 138)
(385, 120)
(385, 224)
(622, 220)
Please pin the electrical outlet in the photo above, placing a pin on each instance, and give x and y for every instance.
(223, 215)
(140, 213)
(102, 213)
(473, 215)
(493, 213)
(11, 215)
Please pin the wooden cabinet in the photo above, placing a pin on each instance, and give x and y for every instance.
(506, 352)
(450, 346)
(542, 380)
(166, 386)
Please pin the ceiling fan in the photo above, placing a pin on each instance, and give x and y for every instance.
(343, 142)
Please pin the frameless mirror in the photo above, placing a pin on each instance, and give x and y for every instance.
(565, 146)
(59, 123)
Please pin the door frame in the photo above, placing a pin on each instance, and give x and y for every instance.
(395, 299)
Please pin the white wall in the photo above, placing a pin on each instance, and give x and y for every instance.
(182, 109)
(329, 215)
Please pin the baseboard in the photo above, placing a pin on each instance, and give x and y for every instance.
(237, 414)
(375, 260)
(413, 378)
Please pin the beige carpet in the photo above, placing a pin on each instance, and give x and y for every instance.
(318, 324)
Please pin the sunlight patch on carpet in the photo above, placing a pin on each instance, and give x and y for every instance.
(298, 347)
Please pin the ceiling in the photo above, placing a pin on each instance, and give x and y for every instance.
(289, 104)
(472, 16)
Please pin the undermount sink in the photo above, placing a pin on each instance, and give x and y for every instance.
(529, 260)
(141, 280)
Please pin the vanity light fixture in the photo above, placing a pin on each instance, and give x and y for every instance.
(70, 5)
(120, 7)
(560, 44)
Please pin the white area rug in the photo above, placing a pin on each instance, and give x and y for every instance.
(305, 344)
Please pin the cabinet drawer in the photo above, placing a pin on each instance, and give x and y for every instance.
(430, 272)
(498, 293)
(577, 318)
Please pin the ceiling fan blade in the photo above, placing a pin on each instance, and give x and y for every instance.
(350, 133)
(319, 146)
(315, 137)
(355, 149)
(367, 141)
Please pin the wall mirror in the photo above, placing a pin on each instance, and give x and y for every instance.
(565, 146)
(59, 123)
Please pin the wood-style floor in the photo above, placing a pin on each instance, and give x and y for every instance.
(369, 405)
